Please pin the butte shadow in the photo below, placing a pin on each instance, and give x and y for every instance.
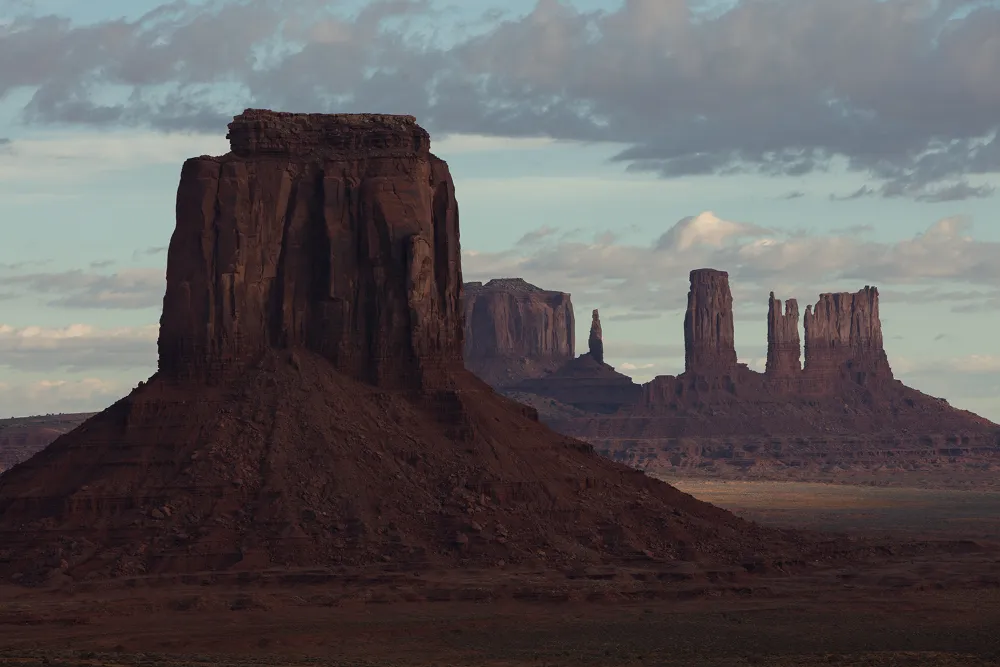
(311, 409)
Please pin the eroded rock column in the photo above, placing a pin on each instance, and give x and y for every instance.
(784, 349)
(708, 324)
(843, 335)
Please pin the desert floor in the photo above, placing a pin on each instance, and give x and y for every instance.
(919, 585)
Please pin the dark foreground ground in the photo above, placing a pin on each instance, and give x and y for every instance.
(927, 594)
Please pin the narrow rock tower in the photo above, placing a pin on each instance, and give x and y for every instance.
(784, 348)
(596, 340)
(709, 345)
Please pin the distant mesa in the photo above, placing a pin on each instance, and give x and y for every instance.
(839, 410)
(311, 409)
(515, 330)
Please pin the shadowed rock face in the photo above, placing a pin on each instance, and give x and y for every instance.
(515, 330)
(843, 336)
(334, 233)
(783, 346)
(709, 345)
(596, 340)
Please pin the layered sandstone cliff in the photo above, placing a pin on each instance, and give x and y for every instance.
(515, 330)
(709, 338)
(843, 337)
(335, 234)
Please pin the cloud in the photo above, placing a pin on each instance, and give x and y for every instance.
(149, 252)
(126, 289)
(899, 90)
(35, 397)
(627, 366)
(634, 350)
(67, 156)
(973, 364)
(705, 229)
(17, 266)
(637, 280)
(77, 347)
(537, 235)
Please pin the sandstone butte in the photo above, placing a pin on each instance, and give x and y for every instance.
(311, 408)
(842, 408)
(515, 330)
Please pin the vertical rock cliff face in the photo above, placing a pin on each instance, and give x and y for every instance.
(784, 348)
(708, 324)
(596, 340)
(515, 330)
(843, 337)
(335, 233)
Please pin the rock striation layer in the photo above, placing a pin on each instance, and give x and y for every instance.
(784, 349)
(515, 330)
(709, 338)
(596, 340)
(311, 409)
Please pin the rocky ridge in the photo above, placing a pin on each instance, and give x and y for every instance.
(311, 412)
(840, 412)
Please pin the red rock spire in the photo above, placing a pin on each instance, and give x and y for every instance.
(708, 323)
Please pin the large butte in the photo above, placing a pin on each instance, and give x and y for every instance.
(311, 408)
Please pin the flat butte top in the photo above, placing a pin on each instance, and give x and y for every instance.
(261, 132)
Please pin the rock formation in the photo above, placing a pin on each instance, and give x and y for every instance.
(363, 269)
(311, 409)
(709, 346)
(515, 330)
(783, 346)
(842, 413)
(596, 340)
(843, 337)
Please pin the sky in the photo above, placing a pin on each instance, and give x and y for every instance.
(603, 148)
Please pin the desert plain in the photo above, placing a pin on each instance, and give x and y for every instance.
(919, 585)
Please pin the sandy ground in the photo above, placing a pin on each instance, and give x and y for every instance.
(906, 511)
(887, 604)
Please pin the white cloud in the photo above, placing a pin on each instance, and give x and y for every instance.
(635, 279)
(78, 347)
(706, 229)
(629, 366)
(80, 156)
(457, 144)
(688, 87)
(125, 289)
(19, 399)
(972, 364)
